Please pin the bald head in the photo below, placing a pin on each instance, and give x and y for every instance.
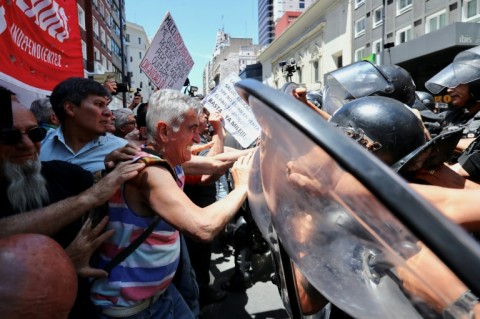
(37, 278)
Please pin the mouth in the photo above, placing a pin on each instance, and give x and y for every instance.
(25, 157)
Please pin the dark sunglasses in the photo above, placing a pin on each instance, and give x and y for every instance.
(14, 136)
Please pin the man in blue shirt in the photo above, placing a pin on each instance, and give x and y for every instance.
(81, 106)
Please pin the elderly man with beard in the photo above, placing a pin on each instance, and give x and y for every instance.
(50, 198)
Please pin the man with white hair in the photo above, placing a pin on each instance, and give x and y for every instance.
(141, 285)
(43, 111)
(125, 122)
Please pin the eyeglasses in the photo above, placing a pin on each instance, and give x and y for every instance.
(14, 136)
(131, 123)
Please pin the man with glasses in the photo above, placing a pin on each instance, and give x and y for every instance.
(81, 106)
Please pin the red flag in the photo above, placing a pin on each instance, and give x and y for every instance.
(40, 46)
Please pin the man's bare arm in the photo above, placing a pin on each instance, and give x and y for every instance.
(50, 219)
(160, 194)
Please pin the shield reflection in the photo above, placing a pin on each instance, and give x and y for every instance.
(334, 210)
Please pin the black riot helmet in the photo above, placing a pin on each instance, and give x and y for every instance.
(384, 126)
(426, 99)
(364, 78)
(403, 85)
(465, 69)
(315, 97)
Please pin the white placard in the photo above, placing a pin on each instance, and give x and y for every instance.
(167, 62)
(239, 118)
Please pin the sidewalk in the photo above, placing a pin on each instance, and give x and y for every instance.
(261, 301)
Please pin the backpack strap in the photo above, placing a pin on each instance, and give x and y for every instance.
(149, 160)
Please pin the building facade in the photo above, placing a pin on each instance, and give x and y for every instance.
(420, 36)
(280, 7)
(319, 41)
(137, 44)
(102, 24)
(266, 24)
(231, 55)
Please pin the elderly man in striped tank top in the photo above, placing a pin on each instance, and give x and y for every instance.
(140, 286)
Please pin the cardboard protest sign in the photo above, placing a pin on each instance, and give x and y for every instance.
(41, 46)
(239, 118)
(167, 61)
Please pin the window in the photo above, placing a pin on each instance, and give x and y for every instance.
(96, 54)
(139, 40)
(359, 27)
(131, 58)
(378, 16)
(107, 19)
(84, 50)
(359, 54)
(104, 62)
(301, 5)
(102, 36)
(95, 27)
(403, 6)
(95, 3)
(358, 3)
(403, 35)
(436, 21)
(316, 71)
(377, 48)
(127, 37)
(109, 45)
(471, 9)
(81, 17)
(101, 9)
(139, 54)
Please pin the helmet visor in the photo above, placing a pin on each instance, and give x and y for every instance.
(465, 68)
(353, 81)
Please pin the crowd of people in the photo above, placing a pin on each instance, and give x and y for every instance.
(128, 201)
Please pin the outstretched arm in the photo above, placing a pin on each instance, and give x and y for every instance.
(50, 219)
(155, 191)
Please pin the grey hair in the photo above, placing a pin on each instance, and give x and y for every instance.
(42, 109)
(121, 117)
(169, 106)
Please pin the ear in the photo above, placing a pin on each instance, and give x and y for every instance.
(69, 108)
(54, 119)
(162, 131)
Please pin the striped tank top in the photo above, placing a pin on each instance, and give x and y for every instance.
(149, 269)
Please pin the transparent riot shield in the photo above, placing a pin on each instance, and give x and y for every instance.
(357, 233)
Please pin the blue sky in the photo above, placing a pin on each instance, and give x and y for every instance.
(198, 22)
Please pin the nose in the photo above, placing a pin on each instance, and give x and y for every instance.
(26, 142)
(196, 136)
(107, 111)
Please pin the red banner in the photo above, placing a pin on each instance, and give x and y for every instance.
(40, 46)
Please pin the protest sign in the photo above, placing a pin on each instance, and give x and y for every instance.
(41, 46)
(167, 61)
(239, 118)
